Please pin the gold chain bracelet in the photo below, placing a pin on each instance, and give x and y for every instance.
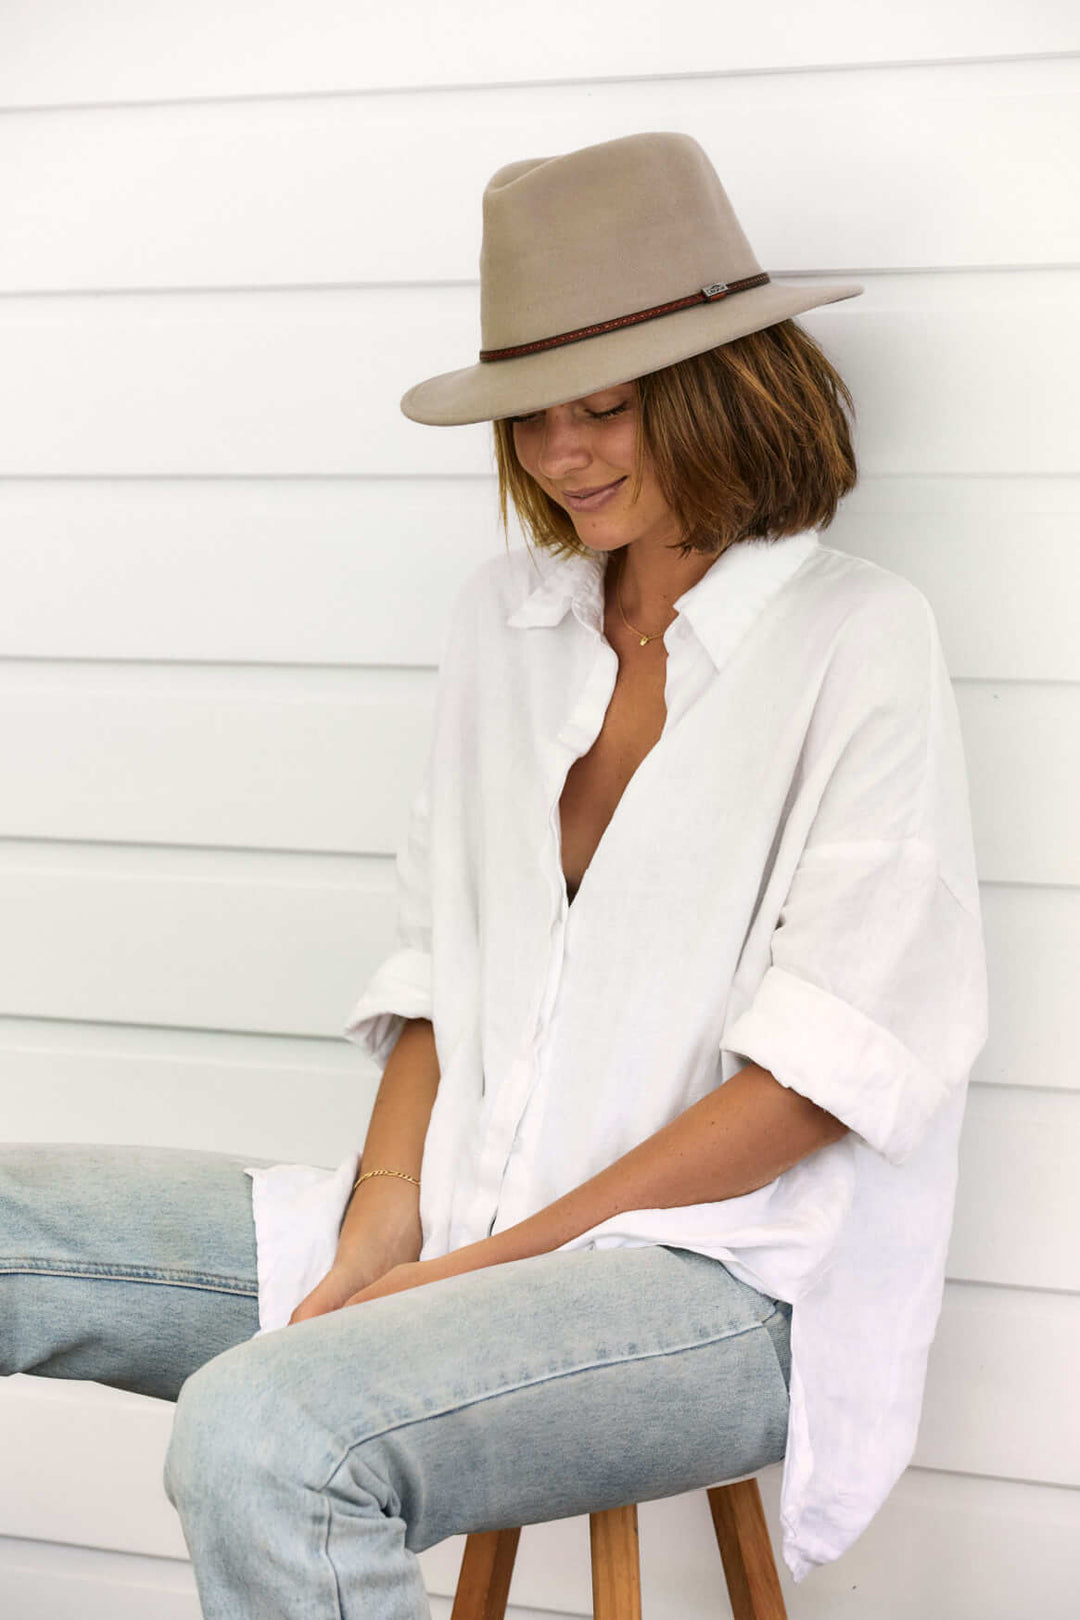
(401, 1173)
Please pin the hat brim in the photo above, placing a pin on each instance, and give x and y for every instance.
(532, 382)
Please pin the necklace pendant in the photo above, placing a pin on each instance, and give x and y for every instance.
(644, 642)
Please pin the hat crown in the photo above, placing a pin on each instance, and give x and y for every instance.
(603, 232)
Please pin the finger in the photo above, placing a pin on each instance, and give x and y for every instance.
(306, 1309)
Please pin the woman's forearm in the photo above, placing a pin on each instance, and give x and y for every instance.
(387, 1208)
(739, 1137)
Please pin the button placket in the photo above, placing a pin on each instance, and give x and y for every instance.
(575, 738)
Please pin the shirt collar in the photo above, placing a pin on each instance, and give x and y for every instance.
(719, 608)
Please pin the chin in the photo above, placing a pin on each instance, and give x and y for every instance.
(601, 548)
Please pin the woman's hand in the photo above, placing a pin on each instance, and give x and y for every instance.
(344, 1285)
(411, 1275)
(334, 1291)
(380, 1232)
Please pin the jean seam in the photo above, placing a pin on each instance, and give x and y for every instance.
(147, 1275)
(334, 1576)
(533, 1383)
(785, 1376)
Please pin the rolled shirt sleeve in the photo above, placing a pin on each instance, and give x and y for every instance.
(874, 1002)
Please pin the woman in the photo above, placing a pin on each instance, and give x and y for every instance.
(689, 981)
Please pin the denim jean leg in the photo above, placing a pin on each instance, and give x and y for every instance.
(130, 1266)
(311, 1465)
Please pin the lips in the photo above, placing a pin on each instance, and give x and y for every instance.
(589, 500)
(580, 494)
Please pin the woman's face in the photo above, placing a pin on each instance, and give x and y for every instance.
(582, 455)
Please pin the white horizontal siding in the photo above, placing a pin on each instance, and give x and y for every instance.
(140, 50)
(40, 1580)
(322, 760)
(1018, 1203)
(1018, 1206)
(920, 1543)
(997, 1550)
(281, 944)
(1001, 1332)
(328, 761)
(224, 1093)
(46, 1581)
(84, 206)
(195, 939)
(1032, 940)
(225, 568)
(308, 382)
(266, 571)
(316, 571)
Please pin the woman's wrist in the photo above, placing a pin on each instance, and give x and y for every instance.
(383, 1217)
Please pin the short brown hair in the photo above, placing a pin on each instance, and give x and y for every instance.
(748, 441)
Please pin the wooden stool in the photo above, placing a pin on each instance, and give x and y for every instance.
(753, 1585)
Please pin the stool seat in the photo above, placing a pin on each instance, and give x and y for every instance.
(753, 1585)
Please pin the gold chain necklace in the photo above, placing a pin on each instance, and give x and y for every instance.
(618, 597)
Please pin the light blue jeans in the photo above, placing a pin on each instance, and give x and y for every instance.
(309, 1466)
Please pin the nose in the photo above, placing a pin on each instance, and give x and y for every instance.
(563, 446)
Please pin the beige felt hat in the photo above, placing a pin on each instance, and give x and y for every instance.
(602, 265)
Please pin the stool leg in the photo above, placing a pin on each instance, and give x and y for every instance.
(616, 1570)
(484, 1582)
(739, 1521)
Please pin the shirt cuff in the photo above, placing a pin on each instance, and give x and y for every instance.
(822, 1047)
(400, 989)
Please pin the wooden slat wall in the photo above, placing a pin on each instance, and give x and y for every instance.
(339, 210)
(143, 50)
(225, 566)
(239, 384)
(225, 757)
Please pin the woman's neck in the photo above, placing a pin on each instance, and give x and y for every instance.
(646, 582)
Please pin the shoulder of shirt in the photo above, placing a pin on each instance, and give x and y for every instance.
(868, 596)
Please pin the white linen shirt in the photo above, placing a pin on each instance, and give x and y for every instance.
(788, 879)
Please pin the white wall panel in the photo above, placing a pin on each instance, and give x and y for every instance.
(259, 1097)
(282, 944)
(999, 1387)
(143, 49)
(45, 1419)
(996, 557)
(225, 566)
(942, 1545)
(309, 383)
(363, 571)
(264, 943)
(308, 571)
(1022, 745)
(1033, 967)
(1018, 1203)
(991, 1328)
(309, 191)
(325, 760)
(330, 760)
(193, 384)
(42, 1581)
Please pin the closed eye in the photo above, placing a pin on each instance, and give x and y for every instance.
(597, 416)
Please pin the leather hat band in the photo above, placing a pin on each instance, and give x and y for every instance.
(705, 295)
